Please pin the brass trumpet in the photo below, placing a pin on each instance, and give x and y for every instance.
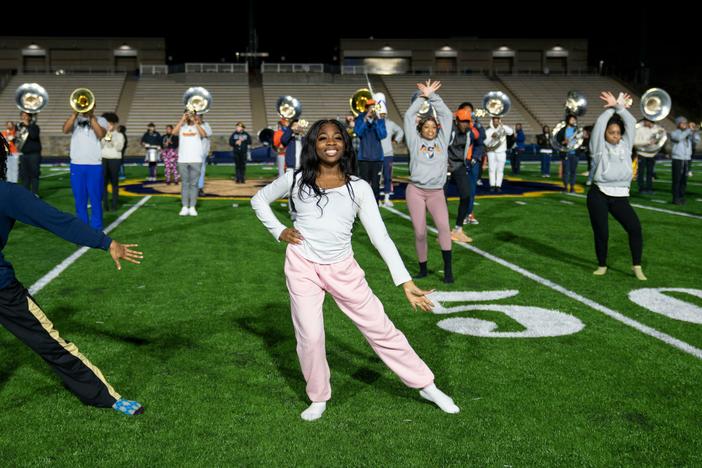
(82, 100)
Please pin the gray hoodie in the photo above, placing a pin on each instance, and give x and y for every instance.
(611, 164)
(428, 158)
(684, 142)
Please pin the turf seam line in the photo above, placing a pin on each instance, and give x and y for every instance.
(645, 329)
(71, 259)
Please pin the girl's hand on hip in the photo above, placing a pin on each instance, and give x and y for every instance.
(291, 236)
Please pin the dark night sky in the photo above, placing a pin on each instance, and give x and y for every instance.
(310, 31)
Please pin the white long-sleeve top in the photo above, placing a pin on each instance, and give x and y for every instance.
(327, 231)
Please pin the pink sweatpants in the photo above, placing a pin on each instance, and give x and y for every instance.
(345, 281)
(418, 202)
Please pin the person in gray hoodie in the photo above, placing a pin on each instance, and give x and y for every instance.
(427, 141)
(684, 139)
(611, 146)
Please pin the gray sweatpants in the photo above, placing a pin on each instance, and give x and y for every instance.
(189, 175)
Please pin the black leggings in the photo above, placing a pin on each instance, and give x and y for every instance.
(460, 178)
(110, 174)
(599, 206)
(370, 172)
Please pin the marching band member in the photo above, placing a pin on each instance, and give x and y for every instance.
(495, 138)
(684, 139)
(190, 155)
(240, 142)
(570, 159)
(152, 140)
(30, 158)
(112, 145)
(169, 154)
(86, 164)
(371, 130)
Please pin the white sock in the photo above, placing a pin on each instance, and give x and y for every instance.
(442, 400)
(315, 411)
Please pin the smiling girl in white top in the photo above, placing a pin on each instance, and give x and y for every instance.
(325, 199)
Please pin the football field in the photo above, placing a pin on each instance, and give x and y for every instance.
(550, 365)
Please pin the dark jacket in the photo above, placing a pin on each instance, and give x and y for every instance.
(33, 143)
(153, 139)
(165, 144)
(19, 204)
(245, 142)
(290, 142)
(370, 134)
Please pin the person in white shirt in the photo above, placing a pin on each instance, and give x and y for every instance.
(111, 152)
(325, 199)
(190, 155)
(86, 164)
(496, 144)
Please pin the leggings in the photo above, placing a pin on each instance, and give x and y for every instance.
(170, 163)
(460, 177)
(599, 206)
(418, 202)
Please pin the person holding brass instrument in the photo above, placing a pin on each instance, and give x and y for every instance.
(611, 145)
(371, 131)
(684, 139)
(86, 159)
(645, 134)
(206, 144)
(30, 149)
(569, 158)
(496, 143)
(112, 146)
(190, 155)
(292, 140)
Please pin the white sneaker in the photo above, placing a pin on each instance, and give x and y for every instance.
(388, 204)
(184, 211)
(192, 211)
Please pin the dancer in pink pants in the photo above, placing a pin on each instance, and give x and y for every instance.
(325, 200)
(428, 140)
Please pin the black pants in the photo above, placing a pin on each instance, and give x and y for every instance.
(29, 171)
(370, 172)
(680, 169)
(599, 206)
(514, 161)
(110, 174)
(21, 315)
(460, 177)
(240, 161)
(645, 175)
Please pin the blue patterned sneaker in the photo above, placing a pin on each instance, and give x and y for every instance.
(128, 407)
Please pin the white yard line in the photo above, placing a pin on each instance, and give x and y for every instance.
(652, 208)
(61, 267)
(618, 316)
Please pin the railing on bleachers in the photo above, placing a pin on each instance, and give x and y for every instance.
(216, 68)
(292, 68)
(153, 70)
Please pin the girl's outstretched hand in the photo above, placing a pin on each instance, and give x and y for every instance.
(429, 88)
(291, 236)
(124, 252)
(417, 297)
(609, 99)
